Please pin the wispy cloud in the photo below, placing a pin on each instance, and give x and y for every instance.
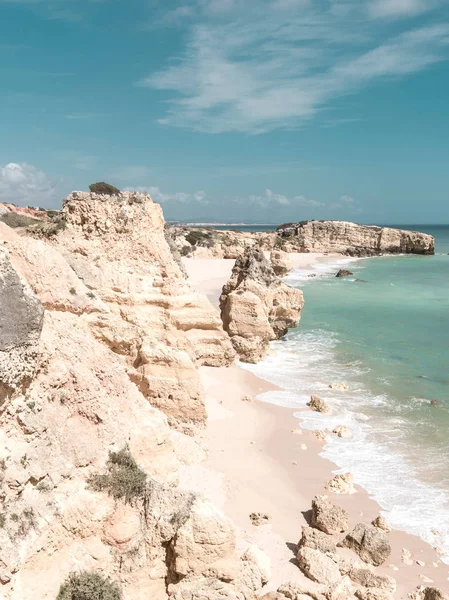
(400, 8)
(162, 197)
(283, 63)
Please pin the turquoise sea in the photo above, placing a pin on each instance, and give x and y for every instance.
(385, 332)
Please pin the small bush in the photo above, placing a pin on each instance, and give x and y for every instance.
(88, 585)
(124, 480)
(13, 219)
(102, 187)
(196, 237)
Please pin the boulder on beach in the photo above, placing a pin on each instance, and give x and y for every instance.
(342, 590)
(318, 405)
(259, 518)
(344, 273)
(281, 262)
(369, 543)
(428, 593)
(381, 523)
(317, 566)
(317, 540)
(369, 579)
(372, 594)
(341, 484)
(327, 516)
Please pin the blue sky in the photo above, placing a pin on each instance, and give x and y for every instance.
(249, 110)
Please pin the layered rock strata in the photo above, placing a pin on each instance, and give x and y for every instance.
(352, 239)
(257, 307)
(100, 338)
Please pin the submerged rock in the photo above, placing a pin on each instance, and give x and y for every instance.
(344, 273)
(342, 432)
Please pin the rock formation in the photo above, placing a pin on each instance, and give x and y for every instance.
(327, 516)
(257, 307)
(318, 405)
(212, 243)
(100, 336)
(369, 542)
(280, 262)
(352, 239)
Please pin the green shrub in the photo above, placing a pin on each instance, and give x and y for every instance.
(124, 480)
(88, 585)
(101, 187)
(13, 219)
(198, 237)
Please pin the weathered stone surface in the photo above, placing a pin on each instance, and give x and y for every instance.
(381, 523)
(341, 484)
(281, 262)
(257, 307)
(21, 319)
(369, 543)
(204, 542)
(342, 590)
(352, 239)
(370, 579)
(317, 566)
(327, 516)
(258, 518)
(372, 594)
(318, 405)
(297, 591)
(317, 540)
(428, 593)
(256, 556)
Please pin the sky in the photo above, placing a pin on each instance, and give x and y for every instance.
(260, 111)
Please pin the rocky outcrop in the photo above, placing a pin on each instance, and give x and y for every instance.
(370, 543)
(100, 343)
(257, 307)
(352, 239)
(428, 593)
(21, 320)
(197, 242)
(344, 273)
(327, 516)
(341, 484)
(280, 262)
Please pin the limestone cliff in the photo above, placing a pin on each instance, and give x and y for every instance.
(352, 239)
(102, 336)
(257, 307)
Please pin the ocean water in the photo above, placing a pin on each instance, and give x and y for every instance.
(385, 332)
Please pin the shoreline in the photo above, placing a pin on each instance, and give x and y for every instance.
(279, 476)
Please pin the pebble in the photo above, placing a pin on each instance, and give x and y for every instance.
(303, 447)
(394, 567)
(421, 563)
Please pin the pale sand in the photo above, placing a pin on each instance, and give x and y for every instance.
(256, 464)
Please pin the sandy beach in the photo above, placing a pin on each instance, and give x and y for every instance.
(259, 460)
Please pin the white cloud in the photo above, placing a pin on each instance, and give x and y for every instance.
(24, 185)
(270, 198)
(399, 8)
(161, 197)
(261, 70)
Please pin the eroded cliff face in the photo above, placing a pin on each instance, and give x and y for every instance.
(352, 239)
(212, 243)
(257, 307)
(99, 353)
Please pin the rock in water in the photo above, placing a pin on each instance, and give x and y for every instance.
(327, 516)
(21, 319)
(342, 432)
(318, 405)
(257, 307)
(370, 543)
(352, 239)
(344, 273)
